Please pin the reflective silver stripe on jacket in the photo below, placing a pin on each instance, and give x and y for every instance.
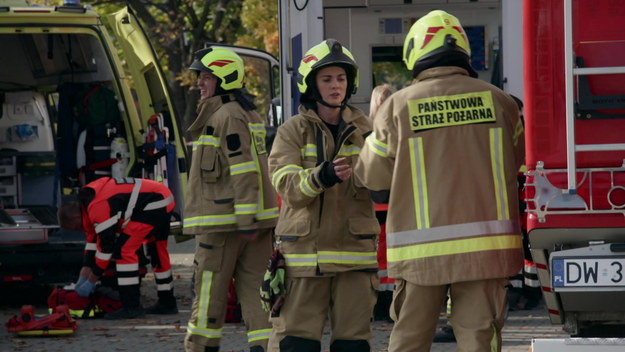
(159, 203)
(131, 203)
(451, 232)
(112, 221)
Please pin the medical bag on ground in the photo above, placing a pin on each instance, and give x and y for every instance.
(103, 300)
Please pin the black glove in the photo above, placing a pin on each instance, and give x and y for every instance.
(327, 176)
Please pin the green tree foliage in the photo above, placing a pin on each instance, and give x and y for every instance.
(178, 28)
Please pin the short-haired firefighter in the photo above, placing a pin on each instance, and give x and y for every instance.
(119, 217)
(448, 147)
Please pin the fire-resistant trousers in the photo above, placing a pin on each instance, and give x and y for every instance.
(218, 258)
(346, 298)
(479, 311)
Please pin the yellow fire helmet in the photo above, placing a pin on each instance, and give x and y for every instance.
(329, 52)
(431, 34)
(223, 63)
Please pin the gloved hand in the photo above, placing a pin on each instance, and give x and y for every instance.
(85, 288)
(327, 174)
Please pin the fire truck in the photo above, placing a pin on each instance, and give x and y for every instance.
(574, 55)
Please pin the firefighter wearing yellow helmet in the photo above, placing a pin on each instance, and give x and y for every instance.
(448, 147)
(327, 227)
(231, 207)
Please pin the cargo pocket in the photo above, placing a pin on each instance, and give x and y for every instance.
(399, 295)
(209, 165)
(292, 230)
(364, 228)
(210, 252)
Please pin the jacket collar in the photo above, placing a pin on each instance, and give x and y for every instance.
(205, 108)
(441, 71)
(348, 115)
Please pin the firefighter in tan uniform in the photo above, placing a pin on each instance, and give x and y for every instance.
(327, 229)
(448, 147)
(231, 207)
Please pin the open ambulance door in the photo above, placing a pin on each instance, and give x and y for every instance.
(262, 79)
(158, 133)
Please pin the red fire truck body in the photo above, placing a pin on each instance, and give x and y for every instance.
(574, 55)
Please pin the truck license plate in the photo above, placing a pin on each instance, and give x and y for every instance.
(588, 272)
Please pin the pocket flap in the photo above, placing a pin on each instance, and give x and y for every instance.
(364, 226)
(211, 241)
(297, 228)
(209, 158)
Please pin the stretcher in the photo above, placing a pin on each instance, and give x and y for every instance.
(59, 322)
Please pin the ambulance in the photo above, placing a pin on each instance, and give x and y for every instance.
(74, 110)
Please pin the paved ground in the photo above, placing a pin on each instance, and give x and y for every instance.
(166, 333)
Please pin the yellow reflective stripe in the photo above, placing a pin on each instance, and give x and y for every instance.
(349, 151)
(206, 332)
(210, 220)
(518, 131)
(248, 166)
(240, 209)
(309, 150)
(331, 257)
(268, 214)
(494, 342)
(377, 146)
(453, 232)
(499, 176)
(451, 110)
(305, 186)
(419, 183)
(283, 171)
(255, 335)
(300, 259)
(469, 245)
(204, 299)
(207, 140)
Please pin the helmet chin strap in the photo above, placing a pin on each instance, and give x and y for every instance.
(322, 102)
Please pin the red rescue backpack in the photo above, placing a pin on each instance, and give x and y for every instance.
(103, 300)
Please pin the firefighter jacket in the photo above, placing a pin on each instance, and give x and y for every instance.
(448, 147)
(322, 230)
(121, 205)
(228, 185)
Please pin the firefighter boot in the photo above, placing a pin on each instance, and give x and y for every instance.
(131, 308)
(350, 346)
(299, 344)
(166, 304)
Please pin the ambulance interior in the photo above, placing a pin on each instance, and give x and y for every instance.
(60, 115)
